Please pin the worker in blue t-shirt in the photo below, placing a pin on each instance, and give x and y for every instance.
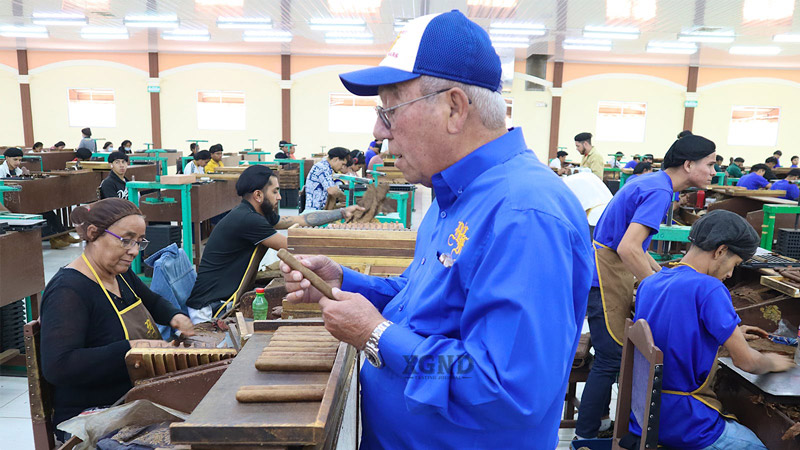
(755, 179)
(633, 162)
(689, 407)
(789, 185)
(622, 236)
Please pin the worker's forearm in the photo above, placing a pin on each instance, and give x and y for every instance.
(653, 263)
(636, 262)
(318, 218)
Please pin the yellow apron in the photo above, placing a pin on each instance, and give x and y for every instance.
(137, 323)
(616, 290)
(233, 296)
(704, 394)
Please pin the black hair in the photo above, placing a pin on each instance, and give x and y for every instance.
(777, 152)
(793, 173)
(38, 145)
(794, 157)
(202, 155)
(684, 133)
(60, 144)
(771, 159)
(584, 137)
(215, 148)
(87, 132)
(83, 153)
(739, 159)
(758, 167)
(12, 152)
(619, 154)
(561, 153)
(117, 155)
(193, 147)
(356, 157)
(122, 146)
(108, 144)
(642, 167)
(720, 158)
(648, 156)
(254, 178)
(339, 152)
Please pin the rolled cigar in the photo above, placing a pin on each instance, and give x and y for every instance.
(315, 280)
(296, 355)
(289, 343)
(288, 365)
(790, 275)
(284, 393)
(310, 340)
(302, 328)
(302, 349)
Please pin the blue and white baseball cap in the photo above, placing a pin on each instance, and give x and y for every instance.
(446, 45)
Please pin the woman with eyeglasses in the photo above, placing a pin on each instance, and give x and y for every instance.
(96, 309)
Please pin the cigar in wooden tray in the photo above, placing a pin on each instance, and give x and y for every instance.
(282, 364)
(281, 393)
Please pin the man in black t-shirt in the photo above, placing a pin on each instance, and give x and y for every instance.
(114, 184)
(233, 242)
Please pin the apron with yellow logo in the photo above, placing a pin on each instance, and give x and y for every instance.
(137, 323)
(616, 290)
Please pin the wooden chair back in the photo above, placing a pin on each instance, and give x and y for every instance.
(640, 378)
(38, 389)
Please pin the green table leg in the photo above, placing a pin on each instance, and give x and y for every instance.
(186, 221)
(767, 230)
(133, 196)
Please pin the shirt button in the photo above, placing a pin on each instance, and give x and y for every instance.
(401, 307)
(422, 262)
(460, 190)
(443, 214)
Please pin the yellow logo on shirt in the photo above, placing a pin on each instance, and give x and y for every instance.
(151, 330)
(458, 238)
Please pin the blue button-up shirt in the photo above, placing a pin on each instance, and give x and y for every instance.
(319, 179)
(487, 316)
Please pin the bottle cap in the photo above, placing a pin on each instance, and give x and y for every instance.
(259, 290)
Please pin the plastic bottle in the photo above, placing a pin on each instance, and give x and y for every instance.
(260, 306)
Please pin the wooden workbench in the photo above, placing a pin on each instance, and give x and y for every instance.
(220, 421)
(50, 160)
(21, 267)
(57, 192)
(208, 200)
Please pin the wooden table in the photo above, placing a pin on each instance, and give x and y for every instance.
(220, 421)
(50, 161)
(57, 192)
(207, 200)
(21, 267)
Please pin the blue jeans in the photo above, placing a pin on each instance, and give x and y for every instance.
(605, 368)
(736, 436)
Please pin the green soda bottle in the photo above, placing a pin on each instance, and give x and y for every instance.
(260, 306)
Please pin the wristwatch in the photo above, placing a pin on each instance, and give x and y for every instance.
(371, 349)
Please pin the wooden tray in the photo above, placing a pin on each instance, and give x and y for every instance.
(735, 191)
(778, 283)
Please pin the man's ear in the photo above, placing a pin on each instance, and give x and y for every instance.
(459, 110)
(721, 251)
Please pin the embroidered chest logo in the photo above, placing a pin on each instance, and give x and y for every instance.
(458, 238)
(151, 330)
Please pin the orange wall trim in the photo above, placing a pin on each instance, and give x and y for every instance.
(713, 75)
(169, 61)
(9, 58)
(573, 71)
(303, 63)
(39, 59)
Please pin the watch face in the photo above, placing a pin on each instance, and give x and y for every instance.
(373, 358)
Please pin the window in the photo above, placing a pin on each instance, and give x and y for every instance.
(621, 121)
(351, 114)
(91, 108)
(220, 110)
(509, 112)
(754, 125)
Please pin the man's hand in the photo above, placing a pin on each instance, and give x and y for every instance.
(350, 317)
(779, 363)
(299, 289)
(150, 343)
(25, 170)
(752, 333)
(182, 324)
(348, 212)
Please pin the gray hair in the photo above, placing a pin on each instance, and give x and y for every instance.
(490, 105)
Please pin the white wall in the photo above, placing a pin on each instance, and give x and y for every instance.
(11, 133)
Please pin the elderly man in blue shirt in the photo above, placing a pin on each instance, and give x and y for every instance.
(472, 346)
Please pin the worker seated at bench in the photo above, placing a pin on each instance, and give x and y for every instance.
(319, 182)
(11, 166)
(691, 315)
(114, 185)
(96, 309)
(216, 158)
(233, 244)
(789, 184)
(201, 158)
(755, 179)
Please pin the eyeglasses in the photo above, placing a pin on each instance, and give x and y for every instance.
(128, 243)
(383, 113)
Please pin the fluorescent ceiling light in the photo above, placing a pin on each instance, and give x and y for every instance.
(786, 37)
(266, 36)
(755, 50)
(59, 18)
(24, 31)
(641, 10)
(186, 34)
(492, 3)
(354, 6)
(249, 23)
(675, 48)
(152, 20)
(339, 37)
(518, 29)
(524, 43)
(337, 24)
(722, 36)
(599, 32)
(104, 33)
(601, 45)
(761, 10)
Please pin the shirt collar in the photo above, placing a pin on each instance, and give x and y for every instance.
(669, 179)
(451, 182)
